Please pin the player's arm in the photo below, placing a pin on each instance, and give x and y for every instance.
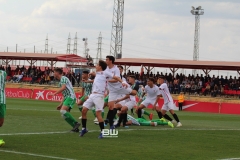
(155, 104)
(60, 105)
(121, 99)
(60, 90)
(116, 75)
(88, 81)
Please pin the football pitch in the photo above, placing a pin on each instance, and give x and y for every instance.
(35, 130)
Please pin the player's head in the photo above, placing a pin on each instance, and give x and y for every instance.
(150, 81)
(101, 66)
(131, 79)
(58, 73)
(121, 69)
(110, 60)
(161, 79)
(85, 74)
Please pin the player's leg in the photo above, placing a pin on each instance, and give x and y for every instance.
(170, 107)
(2, 115)
(80, 102)
(132, 111)
(111, 101)
(66, 107)
(94, 114)
(161, 122)
(148, 123)
(86, 106)
(117, 107)
(98, 102)
(150, 115)
(179, 124)
(124, 111)
(144, 104)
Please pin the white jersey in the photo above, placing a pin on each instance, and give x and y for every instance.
(152, 93)
(165, 93)
(100, 82)
(124, 79)
(116, 72)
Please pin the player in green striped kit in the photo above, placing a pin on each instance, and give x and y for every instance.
(3, 79)
(69, 99)
(86, 84)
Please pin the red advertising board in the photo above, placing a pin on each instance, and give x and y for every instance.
(39, 94)
(18, 93)
(193, 106)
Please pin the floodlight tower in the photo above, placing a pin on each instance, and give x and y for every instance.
(99, 49)
(69, 44)
(86, 49)
(117, 29)
(197, 12)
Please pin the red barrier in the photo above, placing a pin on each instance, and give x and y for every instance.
(18, 93)
(193, 106)
(40, 94)
(229, 108)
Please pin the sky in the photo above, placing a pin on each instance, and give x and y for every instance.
(151, 28)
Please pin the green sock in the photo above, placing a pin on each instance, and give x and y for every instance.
(145, 124)
(102, 114)
(159, 122)
(162, 123)
(143, 118)
(94, 112)
(69, 122)
(69, 118)
(146, 113)
(115, 117)
(80, 108)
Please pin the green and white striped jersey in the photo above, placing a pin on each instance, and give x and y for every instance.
(3, 79)
(68, 92)
(87, 88)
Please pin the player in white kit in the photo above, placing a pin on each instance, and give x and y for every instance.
(129, 101)
(97, 97)
(116, 89)
(153, 95)
(168, 103)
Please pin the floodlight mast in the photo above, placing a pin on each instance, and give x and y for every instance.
(197, 12)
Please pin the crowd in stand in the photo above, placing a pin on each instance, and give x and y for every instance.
(36, 75)
(198, 85)
(188, 84)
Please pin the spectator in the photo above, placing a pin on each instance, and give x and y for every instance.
(180, 101)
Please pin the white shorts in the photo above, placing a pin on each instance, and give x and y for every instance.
(147, 102)
(168, 106)
(130, 104)
(114, 95)
(96, 100)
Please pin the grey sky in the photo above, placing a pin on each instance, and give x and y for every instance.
(152, 28)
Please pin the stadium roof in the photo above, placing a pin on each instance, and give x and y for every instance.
(187, 64)
(41, 56)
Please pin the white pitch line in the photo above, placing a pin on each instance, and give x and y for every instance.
(35, 110)
(230, 159)
(35, 155)
(126, 130)
(36, 133)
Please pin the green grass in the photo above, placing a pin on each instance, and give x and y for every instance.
(203, 136)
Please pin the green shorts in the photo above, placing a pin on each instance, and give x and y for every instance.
(2, 110)
(69, 102)
(106, 99)
(83, 98)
